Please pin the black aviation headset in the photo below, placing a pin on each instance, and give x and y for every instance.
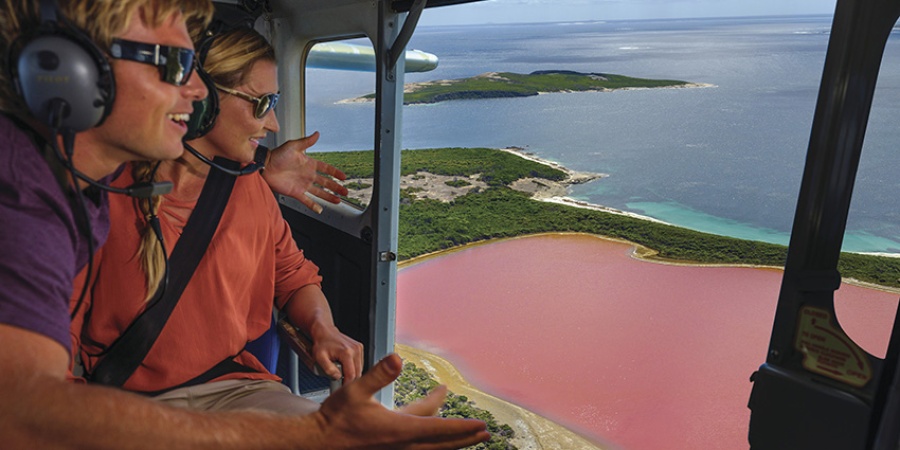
(227, 17)
(68, 85)
(64, 79)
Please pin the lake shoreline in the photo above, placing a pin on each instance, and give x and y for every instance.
(533, 431)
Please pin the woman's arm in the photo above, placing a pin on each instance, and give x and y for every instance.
(308, 309)
(290, 171)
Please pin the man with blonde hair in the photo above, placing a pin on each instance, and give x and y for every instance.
(85, 86)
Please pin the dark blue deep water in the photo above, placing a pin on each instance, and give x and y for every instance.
(726, 159)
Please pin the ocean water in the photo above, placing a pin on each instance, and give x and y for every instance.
(727, 159)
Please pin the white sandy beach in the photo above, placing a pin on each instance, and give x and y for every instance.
(560, 193)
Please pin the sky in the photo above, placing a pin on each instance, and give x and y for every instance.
(515, 11)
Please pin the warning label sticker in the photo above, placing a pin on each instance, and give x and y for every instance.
(829, 351)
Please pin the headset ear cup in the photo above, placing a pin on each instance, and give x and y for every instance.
(59, 73)
(203, 118)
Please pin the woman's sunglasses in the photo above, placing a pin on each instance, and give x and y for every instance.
(175, 63)
(264, 103)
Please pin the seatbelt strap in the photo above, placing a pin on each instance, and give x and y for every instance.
(225, 366)
(126, 354)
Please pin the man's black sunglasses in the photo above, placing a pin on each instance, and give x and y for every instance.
(175, 63)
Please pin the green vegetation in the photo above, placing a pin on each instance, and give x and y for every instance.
(496, 168)
(457, 183)
(414, 383)
(508, 84)
(357, 185)
(498, 211)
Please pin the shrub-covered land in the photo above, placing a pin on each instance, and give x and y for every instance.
(509, 84)
(430, 225)
(497, 168)
(414, 383)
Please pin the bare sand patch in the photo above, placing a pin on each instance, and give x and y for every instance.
(444, 188)
(421, 185)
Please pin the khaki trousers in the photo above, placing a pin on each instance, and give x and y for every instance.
(230, 395)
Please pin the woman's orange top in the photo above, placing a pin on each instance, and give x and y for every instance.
(251, 260)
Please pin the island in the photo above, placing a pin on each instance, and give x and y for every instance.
(509, 84)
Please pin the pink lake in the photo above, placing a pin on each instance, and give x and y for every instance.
(640, 354)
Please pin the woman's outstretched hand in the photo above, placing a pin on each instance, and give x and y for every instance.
(290, 171)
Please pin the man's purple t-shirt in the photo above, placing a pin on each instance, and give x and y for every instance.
(41, 246)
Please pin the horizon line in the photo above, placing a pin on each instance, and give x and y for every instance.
(651, 19)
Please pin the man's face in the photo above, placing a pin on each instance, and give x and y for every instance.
(148, 116)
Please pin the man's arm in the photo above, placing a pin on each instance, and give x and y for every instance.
(41, 410)
(308, 310)
(290, 171)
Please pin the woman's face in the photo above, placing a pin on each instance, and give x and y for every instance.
(237, 131)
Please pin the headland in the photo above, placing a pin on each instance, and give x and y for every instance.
(456, 196)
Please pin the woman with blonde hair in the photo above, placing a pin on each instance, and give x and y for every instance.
(251, 260)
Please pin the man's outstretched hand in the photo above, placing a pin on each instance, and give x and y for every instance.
(352, 418)
(290, 171)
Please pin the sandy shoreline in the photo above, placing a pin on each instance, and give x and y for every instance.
(533, 432)
(574, 177)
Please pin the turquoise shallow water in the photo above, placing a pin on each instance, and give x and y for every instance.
(854, 241)
(727, 159)
(700, 221)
